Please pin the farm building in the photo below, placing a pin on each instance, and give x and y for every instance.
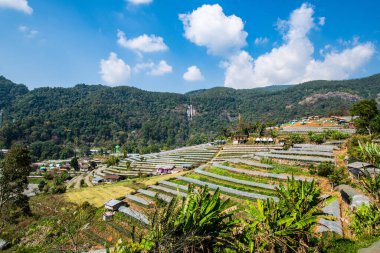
(362, 169)
(108, 215)
(111, 178)
(114, 204)
(164, 168)
(97, 180)
(240, 139)
(264, 140)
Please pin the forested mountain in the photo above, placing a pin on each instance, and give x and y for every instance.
(55, 120)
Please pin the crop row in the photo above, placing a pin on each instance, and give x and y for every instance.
(226, 189)
(261, 173)
(234, 180)
(138, 200)
(134, 214)
(152, 194)
(295, 157)
(168, 190)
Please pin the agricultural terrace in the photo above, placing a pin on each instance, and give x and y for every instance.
(241, 172)
(240, 178)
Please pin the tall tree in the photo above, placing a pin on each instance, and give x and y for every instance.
(368, 120)
(13, 182)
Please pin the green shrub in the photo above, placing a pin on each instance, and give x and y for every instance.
(325, 169)
(366, 221)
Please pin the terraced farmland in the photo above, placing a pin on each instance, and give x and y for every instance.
(136, 165)
(238, 151)
(302, 154)
(238, 178)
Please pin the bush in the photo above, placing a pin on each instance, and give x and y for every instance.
(325, 169)
(339, 176)
(41, 185)
(58, 189)
(317, 138)
(366, 221)
(353, 146)
(113, 160)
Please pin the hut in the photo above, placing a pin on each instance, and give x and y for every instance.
(164, 169)
(108, 215)
(114, 204)
(240, 139)
(109, 178)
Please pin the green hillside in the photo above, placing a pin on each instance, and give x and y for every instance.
(59, 119)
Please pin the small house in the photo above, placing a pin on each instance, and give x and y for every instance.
(164, 169)
(240, 139)
(109, 178)
(187, 166)
(97, 180)
(218, 142)
(108, 215)
(114, 204)
(362, 169)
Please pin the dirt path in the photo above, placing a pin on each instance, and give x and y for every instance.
(77, 182)
(87, 179)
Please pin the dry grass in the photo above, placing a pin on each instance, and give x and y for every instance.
(98, 195)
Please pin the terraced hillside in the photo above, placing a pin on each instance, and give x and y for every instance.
(240, 179)
(187, 157)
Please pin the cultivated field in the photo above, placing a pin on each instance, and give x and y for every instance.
(98, 195)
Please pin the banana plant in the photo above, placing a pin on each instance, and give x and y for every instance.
(285, 226)
(198, 223)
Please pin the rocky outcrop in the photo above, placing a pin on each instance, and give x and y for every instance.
(315, 98)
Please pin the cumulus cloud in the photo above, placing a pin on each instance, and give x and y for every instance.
(114, 71)
(19, 5)
(139, 2)
(154, 69)
(321, 21)
(293, 61)
(143, 43)
(261, 41)
(193, 74)
(28, 32)
(208, 26)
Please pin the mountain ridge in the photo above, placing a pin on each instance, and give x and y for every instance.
(99, 115)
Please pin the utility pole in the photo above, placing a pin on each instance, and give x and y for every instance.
(1, 117)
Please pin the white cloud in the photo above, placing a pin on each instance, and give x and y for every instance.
(19, 5)
(28, 32)
(138, 2)
(208, 26)
(193, 74)
(322, 21)
(293, 61)
(154, 69)
(261, 41)
(143, 43)
(114, 71)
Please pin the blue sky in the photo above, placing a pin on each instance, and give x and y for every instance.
(150, 45)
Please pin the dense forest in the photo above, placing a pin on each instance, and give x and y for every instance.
(56, 121)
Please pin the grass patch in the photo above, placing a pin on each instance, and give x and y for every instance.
(279, 169)
(349, 246)
(98, 195)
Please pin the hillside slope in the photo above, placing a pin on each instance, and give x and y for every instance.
(95, 114)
